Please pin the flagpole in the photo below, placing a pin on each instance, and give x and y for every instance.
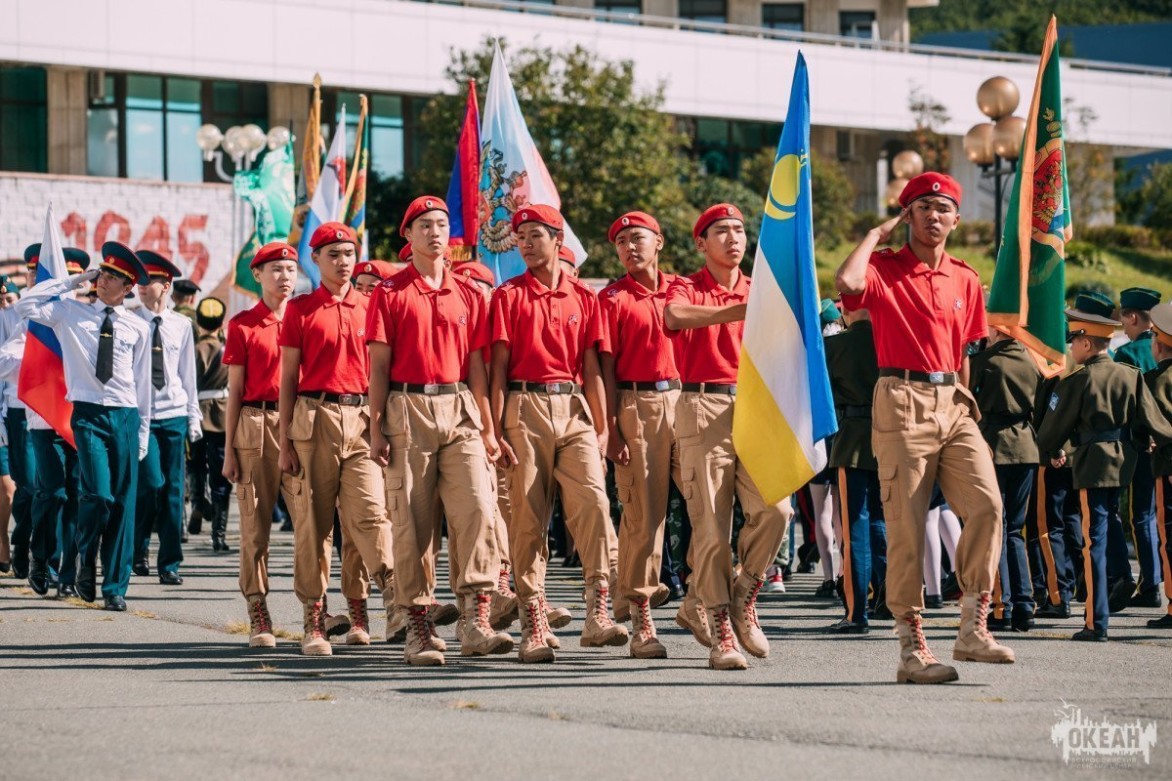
(363, 105)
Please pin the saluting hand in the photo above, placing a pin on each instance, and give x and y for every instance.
(380, 448)
(79, 280)
(886, 229)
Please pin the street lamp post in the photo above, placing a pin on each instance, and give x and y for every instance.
(989, 144)
(906, 165)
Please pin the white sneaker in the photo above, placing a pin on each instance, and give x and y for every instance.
(773, 582)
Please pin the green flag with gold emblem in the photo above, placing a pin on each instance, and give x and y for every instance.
(1027, 298)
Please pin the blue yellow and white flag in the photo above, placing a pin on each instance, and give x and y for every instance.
(784, 408)
(328, 199)
(355, 207)
(512, 176)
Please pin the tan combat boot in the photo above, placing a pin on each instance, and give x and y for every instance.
(600, 629)
(974, 642)
(504, 603)
(335, 625)
(359, 633)
(260, 624)
(396, 624)
(550, 638)
(622, 608)
(419, 649)
(644, 642)
(479, 638)
(443, 614)
(744, 615)
(314, 641)
(694, 618)
(533, 647)
(724, 655)
(661, 595)
(917, 664)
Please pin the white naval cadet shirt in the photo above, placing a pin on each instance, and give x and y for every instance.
(11, 354)
(178, 396)
(77, 325)
(11, 323)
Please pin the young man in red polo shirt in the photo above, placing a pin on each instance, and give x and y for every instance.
(642, 388)
(705, 312)
(926, 307)
(324, 436)
(253, 358)
(546, 328)
(426, 330)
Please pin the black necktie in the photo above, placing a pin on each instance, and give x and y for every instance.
(158, 378)
(105, 368)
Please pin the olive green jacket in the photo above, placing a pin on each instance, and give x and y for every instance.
(1101, 398)
(854, 371)
(1159, 382)
(1004, 380)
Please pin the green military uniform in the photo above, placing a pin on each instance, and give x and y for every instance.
(207, 456)
(1059, 518)
(1105, 409)
(1004, 380)
(1159, 382)
(1137, 353)
(853, 369)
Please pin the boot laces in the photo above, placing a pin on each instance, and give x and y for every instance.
(420, 625)
(535, 612)
(922, 651)
(725, 638)
(258, 615)
(981, 616)
(358, 616)
(643, 607)
(750, 604)
(315, 621)
(601, 601)
(502, 584)
(483, 609)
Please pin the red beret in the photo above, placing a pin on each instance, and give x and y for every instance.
(376, 268)
(424, 203)
(566, 254)
(332, 233)
(632, 220)
(538, 212)
(274, 250)
(476, 271)
(405, 253)
(721, 211)
(931, 183)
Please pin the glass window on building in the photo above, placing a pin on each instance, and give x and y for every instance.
(24, 134)
(784, 16)
(387, 132)
(143, 127)
(704, 10)
(620, 6)
(857, 24)
(723, 145)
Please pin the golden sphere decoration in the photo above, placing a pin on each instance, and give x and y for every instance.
(978, 144)
(998, 97)
(907, 164)
(1007, 135)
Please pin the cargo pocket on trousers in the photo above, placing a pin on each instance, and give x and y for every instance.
(249, 430)
(395, 499)
(891, 408)
(395, 425)
(687, 482)
(888, 491)
(304, 415)
(624, 484)
(296, 496)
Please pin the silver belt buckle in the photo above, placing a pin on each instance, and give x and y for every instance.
(553, 387)
(430, 389)
(936, 378)
(347, 398)
(732, 391)
(662, 385)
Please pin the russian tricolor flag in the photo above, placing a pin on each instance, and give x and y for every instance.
(41, 385)
(328, 201)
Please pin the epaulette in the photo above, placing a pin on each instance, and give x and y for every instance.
(964, 265)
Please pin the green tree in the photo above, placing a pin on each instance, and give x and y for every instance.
(1153, 200)
(1030, 16)
(831, 190)
(607, 145)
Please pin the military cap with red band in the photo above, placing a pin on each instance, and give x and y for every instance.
(76, 260)
(538, 212)
(120, 259)
(470, 269)
(158, 266)
(274, 250)
(420, 206)
(632, 220)
(721, 211)
(931, 183)
(332, 233)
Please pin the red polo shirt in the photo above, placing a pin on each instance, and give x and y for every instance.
(430, 331)
(332, 338)
(922, 319)
(633, 316)
(548, 331)
(711, 353)
(252, 343)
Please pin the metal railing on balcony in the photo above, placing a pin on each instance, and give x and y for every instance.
(677, 23)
